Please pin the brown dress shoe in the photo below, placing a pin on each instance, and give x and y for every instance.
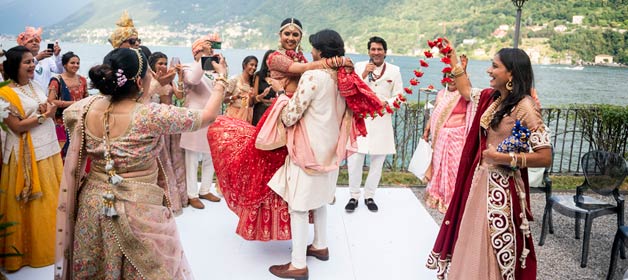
(321, 254)
(196, 203)
(282, 271)
(210, 196)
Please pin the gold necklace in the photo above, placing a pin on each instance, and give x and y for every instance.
(487, 117)
(32, 94)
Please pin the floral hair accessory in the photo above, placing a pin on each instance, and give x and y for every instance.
(121, 78)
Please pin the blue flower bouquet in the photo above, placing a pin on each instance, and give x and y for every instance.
(517, 142)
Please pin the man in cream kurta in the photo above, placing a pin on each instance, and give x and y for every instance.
(318, 107)
(385, 80)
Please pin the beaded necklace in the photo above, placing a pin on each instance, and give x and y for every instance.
(32, 94)
(374, 77)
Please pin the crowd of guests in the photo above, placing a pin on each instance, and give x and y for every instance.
(101, 177)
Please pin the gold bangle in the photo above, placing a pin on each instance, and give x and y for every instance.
(513, 160)
(221, 82)
(457, 71)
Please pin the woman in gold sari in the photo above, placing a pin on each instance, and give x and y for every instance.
(115, 222)
(239, 94)
(31, 167)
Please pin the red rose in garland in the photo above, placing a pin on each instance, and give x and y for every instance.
(446, 80)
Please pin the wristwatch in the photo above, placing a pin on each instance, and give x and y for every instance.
(41, 118)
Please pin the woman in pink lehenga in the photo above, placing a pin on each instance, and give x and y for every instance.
(448, 127)
(115, 221)
(241, 169)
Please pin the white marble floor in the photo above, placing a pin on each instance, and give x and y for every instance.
(390, 244)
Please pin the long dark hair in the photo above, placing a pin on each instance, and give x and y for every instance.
(154, 57)
(12, 64)
(263, 69)
(128, 62)
(328, 42)
(518, 63)
(246, 61)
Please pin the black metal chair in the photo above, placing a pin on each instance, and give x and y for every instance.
(604, 172)
(619, 242)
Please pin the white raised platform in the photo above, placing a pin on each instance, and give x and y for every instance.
(390, 244)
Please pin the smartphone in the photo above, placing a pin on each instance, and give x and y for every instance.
(216, 45)
(206, 62)
(174, 61)
(51, 47)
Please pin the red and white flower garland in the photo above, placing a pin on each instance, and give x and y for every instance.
(444, 50)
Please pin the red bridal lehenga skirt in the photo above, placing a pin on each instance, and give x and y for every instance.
(243, 172)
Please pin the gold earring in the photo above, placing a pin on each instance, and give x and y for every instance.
(509, 85)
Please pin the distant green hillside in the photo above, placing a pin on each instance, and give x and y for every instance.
(406, 24)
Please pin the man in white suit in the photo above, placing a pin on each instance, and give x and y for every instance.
(385, 80)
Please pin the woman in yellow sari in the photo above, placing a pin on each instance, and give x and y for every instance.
(31, 167)
(239, 93)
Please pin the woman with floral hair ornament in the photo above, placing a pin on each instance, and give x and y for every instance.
(116, 221)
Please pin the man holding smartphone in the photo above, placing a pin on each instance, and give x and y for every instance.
(198, 82)
(47, 61)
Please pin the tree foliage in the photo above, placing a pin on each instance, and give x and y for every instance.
(604, 126)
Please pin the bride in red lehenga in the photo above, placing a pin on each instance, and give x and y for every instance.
(242, 170)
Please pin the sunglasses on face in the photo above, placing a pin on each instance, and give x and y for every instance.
(132, 41)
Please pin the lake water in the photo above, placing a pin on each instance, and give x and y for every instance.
(556, 84)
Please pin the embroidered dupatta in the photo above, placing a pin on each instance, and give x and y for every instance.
(27, 186)
(71, 181)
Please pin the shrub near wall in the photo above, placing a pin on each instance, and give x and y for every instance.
(604, 126)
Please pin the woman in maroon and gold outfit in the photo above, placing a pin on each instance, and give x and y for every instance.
(243, 170)
(65, 89)
(485, 233)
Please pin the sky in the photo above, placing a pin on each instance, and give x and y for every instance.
(16, 14)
